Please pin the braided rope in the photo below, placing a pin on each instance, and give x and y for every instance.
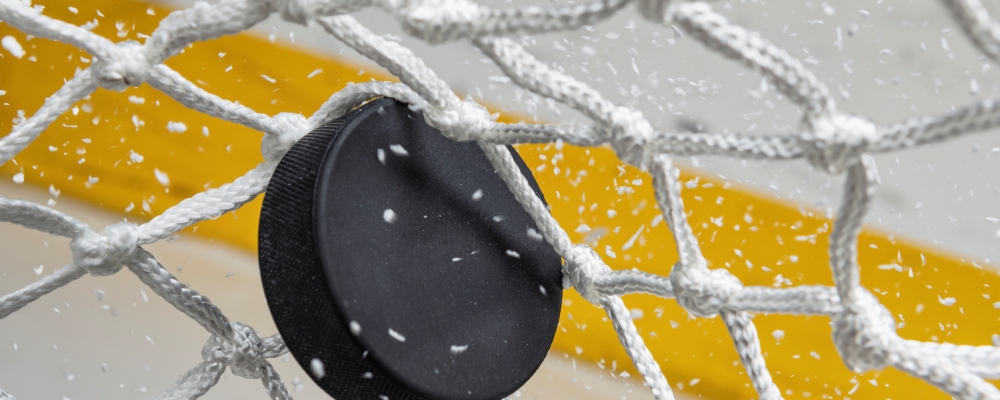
(864, 331)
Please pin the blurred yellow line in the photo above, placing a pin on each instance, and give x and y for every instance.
(109, 148)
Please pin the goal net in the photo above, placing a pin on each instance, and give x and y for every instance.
(832, 141)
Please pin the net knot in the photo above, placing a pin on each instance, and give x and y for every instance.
(631, 137)
(122, 66)
(864, 333)
(834, 143)
(438, 21)
(702, 291)
(462, 122)
(245, 353)
(582, 268)
(286, 130)
(103, 254)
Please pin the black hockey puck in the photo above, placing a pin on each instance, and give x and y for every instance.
(396, 263)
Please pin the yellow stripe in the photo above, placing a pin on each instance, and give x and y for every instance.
(758, 238)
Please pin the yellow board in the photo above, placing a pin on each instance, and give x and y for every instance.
(94, 153)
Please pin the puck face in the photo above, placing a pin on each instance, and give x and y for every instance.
(400, 260)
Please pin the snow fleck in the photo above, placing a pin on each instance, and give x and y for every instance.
(948, 301)
(609, 252)
(631, 240)
(161, 177)
(316, 367)
(11, 44)
(892, 266)
(389, 216)
(396, 335)
(137, 122)
(478, 194)
(398, 150)
(513, 253)
(534, 235)
(355, 328)
(19, 178)
(176, 127)
(459, 349)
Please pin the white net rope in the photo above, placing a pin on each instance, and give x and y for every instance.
(832, 141)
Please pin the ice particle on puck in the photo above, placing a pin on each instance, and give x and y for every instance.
(399, 150)
(389, 216)
(316, 367)
(396, 335)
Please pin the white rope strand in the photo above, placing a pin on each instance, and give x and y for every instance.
(439, 21)
(208, 204)
(983, 361)
(785, 72)
(195, 382)
(390, 55)
(975, 21)
(80, 86)
(24, 296)
(31, 21)
(185, 300)
(40, 218)
(955, 381)
(203, 22)
(636, 349)
(978, 117)
(747, 344)
(190, 95)
(354, 95)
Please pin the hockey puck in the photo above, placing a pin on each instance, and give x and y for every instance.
(396, 263)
